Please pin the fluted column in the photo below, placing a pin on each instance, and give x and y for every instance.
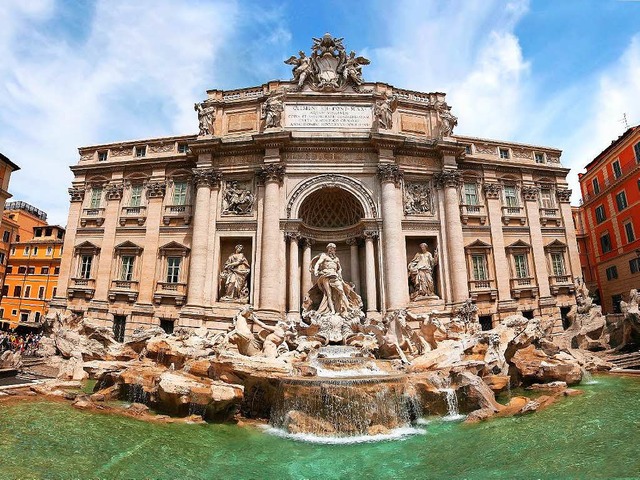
(355, 263)
(449, 181)
(294, 273)
(113, 195)
(211, 281)
(564, 197)
(271, 263)
(202, 178)
(155, 194)
(397, 287)
(370, 271)
(306, 265)
(530, 194)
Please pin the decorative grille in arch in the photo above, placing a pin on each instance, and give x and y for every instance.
(331, 208)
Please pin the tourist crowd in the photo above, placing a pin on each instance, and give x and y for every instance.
(25, 344)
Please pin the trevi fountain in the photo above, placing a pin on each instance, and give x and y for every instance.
(405, 383)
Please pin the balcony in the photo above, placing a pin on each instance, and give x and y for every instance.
(561, 284)
(133, 214)
(177, 212)
(513, 214)
(482, 288)
(550, 215)
(82, 287)
(176, 292)
(124, 288)
(92, 216)
(522, 285)
(472, 211)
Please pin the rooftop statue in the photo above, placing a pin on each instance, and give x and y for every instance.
(329, 68)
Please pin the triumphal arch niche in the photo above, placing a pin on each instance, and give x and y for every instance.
(363, 177)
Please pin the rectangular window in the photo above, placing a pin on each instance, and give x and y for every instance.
(22, 270)
(539, 157)
(601, 216)
(467, 149)
(6, 236)
(546, 198)
(26, 251)
(182, 148)
(24, 316)
(621, 200)
(522, 268)
(44, 271)
(48, 232)
(31, 271)
(96, 197)
(510, 198)
(85, 266)
(17, 291)
(136, 196)
(612, 272)
(13, 249)
(5, 290)
(38, 232)
(102, 156)
(27, 291)
(596, 186)
(173, 269)
(1, 312)
(126, 268)
(9, 269)
(504, 153)
(628, 230)
(35, 251)
(479, 267)
(56, 270)
(180, 193)
(141, 151)
(14, 313)
(557, 263)
(167, 325)
(54, 291)
(634, 265)
(636, 150)
(2, 258)
(471, 194)
(49, 251)
(41, 293)
(617, 171)
(605, 243)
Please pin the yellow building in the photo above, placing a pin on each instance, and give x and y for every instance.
(31, 273)
(8, 228)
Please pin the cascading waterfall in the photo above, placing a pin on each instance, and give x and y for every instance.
(453, 412)
(587, 378)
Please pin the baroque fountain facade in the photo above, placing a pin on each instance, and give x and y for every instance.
(324, 245)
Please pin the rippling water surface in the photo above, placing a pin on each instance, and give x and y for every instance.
(596, 435)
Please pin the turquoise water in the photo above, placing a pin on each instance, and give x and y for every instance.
(596, 435)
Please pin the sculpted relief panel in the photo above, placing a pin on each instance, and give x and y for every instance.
(238, 198)
(418, 199)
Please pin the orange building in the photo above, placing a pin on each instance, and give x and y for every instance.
(33, 264)
(608, 224)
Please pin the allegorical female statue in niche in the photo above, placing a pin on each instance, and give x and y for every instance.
(421, 273)
(233, 279)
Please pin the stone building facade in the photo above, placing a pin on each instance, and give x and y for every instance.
(287, 167)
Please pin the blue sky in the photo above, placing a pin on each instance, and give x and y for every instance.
(560, 73)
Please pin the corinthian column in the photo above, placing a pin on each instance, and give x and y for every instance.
(294, 273)
(203, 179)
(370, 271)
(355, 263)
(395, 278)
(530, 194)
(113, 195)
(449, 181)
(271, 262)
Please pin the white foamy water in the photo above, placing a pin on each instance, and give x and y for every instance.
(395, 434)
(360, 372)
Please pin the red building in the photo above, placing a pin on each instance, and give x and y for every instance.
(608, 223)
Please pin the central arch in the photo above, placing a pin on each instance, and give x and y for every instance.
(332, 181)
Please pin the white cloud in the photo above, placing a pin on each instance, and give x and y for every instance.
(136, 74)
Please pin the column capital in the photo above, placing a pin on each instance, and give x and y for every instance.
(271, 173)
(293, 236)
(448, 178)
(353, 241)
(113, 191)
(530, 192)
(206, 177)
(77, 193)
(370, 235)
(307, 242)
(492, 190)
(389, 172)
(156, 189)
(563, 194)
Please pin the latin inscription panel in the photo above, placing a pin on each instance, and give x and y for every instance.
(324, 116)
